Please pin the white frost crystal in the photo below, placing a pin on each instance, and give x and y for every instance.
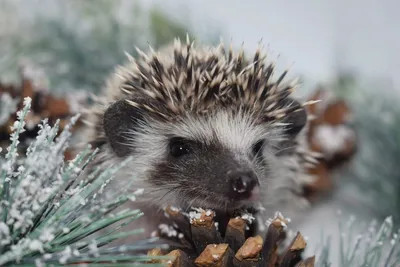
(36, 245)
(45, 206)
(195, 214)
(167, 230)
(279, 217)
(94, 249)
(333, 139)
(248, 217)
(5, 238)
(65, 255)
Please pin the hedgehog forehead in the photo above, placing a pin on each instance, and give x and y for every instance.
(234, 131)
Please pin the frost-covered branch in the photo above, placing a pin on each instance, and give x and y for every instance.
(49, 208)
(377, 246)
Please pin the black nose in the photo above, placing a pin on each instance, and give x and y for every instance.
(242, 184)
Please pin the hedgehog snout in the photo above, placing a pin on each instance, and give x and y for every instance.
(244, 185)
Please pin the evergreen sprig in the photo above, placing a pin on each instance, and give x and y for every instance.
(376, 246)
(49, 208)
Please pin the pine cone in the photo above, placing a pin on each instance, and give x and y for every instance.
(330, 134)
(44, 105)
(203, 245)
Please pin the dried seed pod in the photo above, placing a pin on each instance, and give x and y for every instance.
(309, 262)
(180, 259)
(275, 235)
(215, 255)
(293, 253)
(203, 230)
(249, 254)
(328, 116)
(235, 234)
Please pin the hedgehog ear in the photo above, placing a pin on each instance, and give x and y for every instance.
(296, 120)
(119, 122)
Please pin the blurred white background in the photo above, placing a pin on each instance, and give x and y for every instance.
(319, 35)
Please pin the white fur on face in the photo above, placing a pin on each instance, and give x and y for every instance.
(237, 133)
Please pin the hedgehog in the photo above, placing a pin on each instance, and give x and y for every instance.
(206, 127)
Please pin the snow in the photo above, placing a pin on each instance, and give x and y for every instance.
(195, 214)
(174, 209)
(36, 245)
(139, 191)
(4, 230)
(153, 234)
(93, 249)
(27, 101)
(65, 255)
(332, 139)
(4, 234)
(278, 216)
(248, 217)
(76, 253)
(168, 230)
(122, 248)
(47, 235)
(39, 263)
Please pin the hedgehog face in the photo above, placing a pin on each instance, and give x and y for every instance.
(206, 127)
(223, 161)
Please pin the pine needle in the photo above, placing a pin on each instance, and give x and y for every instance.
(49, 207)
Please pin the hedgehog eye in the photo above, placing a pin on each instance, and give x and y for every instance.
(178, 147)
(257, 147)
